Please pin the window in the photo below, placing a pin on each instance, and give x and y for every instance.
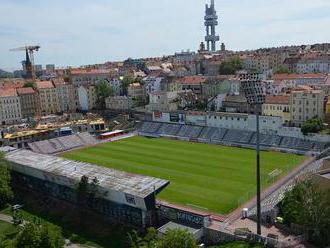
(130, 199)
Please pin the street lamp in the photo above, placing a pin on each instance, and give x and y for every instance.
(255, 95)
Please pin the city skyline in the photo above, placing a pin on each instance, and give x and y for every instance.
(83, 32)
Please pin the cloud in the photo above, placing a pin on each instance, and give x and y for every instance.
(80, 32)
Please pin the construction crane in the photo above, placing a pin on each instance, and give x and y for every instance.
(29, 60)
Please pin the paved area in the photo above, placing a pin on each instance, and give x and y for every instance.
(6, 218)
(291, 240)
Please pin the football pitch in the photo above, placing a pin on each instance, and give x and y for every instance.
(207, 177)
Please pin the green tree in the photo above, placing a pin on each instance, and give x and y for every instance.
(308, 205)
(35, 235)
(312, 126)
(103, 90)
(87, 192)
(135, 241)
(229, 67)
(175, 238)
(29, 237)
(6, 193)
(126, 81)
(29, 84)
(282, 70)
(82, 191)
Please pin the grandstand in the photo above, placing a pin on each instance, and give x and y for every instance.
(238, 136)
(61, 144)
(267, 140)
(229, 136)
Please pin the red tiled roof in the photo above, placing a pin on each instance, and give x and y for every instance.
(89, 71)
(25, 91)
(44, 85)
(279, 77)
(192, 80)
(277, 99)
(7, 92)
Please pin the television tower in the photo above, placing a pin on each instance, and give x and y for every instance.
(211, 21)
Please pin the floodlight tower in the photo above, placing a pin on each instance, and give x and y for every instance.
(255, 95)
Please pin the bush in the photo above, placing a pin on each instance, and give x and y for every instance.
(75, 238)
(312, 126)
(309, 206)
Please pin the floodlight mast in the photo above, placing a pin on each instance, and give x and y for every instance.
(255, 95)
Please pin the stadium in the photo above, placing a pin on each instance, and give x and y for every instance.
(209, 169)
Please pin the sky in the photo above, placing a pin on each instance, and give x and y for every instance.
(80, 32)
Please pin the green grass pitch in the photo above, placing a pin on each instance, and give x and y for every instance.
(212, 177)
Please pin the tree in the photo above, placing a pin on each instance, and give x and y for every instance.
(82, 191)
(35, 235)
(29, 237)
(103, 90)
(174, 238)
(6, 193)
(312, 126)
(126, 81)
(308, 205)
(230, 66)
(282, 70)
(87, 192)
(29, 84)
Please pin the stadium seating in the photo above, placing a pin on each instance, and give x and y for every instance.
(218, 134)
(62, 144)
(288, 142)
(238, 136)
(221, 135)
(190, 131)
(207, 133)
(267, 140)
(169, 129)
(150, 127)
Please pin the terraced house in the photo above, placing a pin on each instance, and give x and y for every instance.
(49, 103)
(10, 107)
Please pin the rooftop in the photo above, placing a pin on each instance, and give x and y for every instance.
(137, 185)
(277, 99)
(25, 91)
(7, 92)
(89, 71)
(192, 80)
(294, 76)
(44, 85)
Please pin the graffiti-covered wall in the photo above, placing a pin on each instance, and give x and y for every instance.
(118, 212)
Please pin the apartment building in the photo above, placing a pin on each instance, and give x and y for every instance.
(136, 91)
(89, 76)
(86, 97)
(118, 103)
(30, 102)
(306, 104)
(193, 83)
(10, 107)
(68, 100)
(163, 101)
(49, 102)
(301, 79)
(277, 106)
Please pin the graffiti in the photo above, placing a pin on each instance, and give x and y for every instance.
(118, 212)
(181, 216)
